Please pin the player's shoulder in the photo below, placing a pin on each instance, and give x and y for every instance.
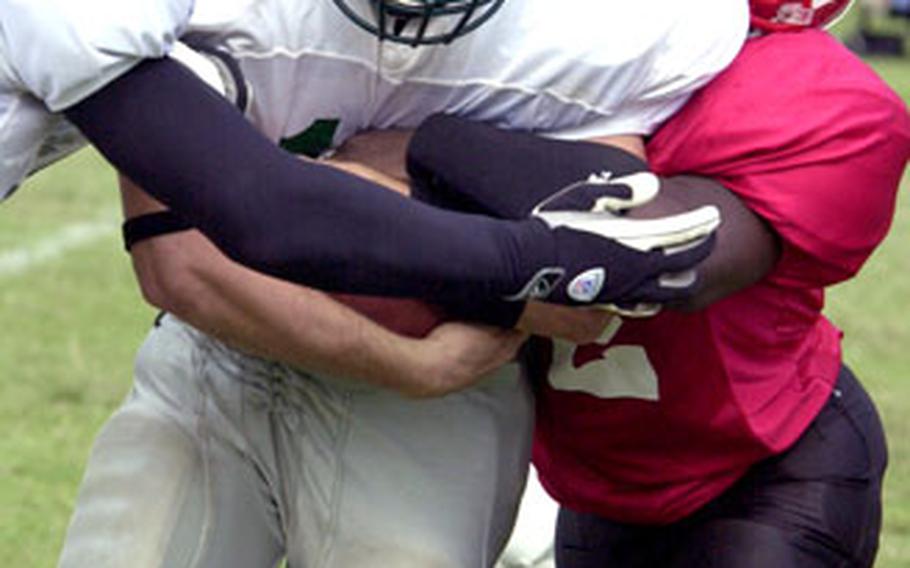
(623, 67)
(808, 62)
(62, 51)
(612, 33)
(795, 88)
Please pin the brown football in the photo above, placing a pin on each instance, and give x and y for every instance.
(413, 318)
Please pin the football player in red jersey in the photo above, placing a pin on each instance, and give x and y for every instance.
(730, 433)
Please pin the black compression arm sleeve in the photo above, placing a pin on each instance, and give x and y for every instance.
(299, 221)
(510, 172)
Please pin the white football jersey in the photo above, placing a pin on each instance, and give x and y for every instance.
(587, 68)
(572, 68)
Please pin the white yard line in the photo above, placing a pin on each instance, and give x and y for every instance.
(21, 260)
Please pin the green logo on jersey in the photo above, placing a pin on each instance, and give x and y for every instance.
(313, 141)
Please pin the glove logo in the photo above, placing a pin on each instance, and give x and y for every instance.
(586, 286)
(539, 286)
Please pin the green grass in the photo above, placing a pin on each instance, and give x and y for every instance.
(70, 327)
(71, 324)
(872, 310)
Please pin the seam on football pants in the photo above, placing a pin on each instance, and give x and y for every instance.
(344, 436)
(284, 507)
(201, 354)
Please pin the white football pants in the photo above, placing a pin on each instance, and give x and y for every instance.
(220, 460)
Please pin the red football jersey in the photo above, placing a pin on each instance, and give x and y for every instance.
(666, 413)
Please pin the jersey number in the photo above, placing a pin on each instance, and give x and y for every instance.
(604, 370)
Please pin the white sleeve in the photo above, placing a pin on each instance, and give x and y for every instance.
(23, 124)
(30, 139)
(62, 51)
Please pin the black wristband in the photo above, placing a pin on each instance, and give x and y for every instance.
(151, 225)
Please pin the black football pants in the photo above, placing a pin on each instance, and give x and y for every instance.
(816, 505)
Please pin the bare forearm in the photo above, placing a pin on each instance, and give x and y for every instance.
(185, 274)
(308, 329)
(268, 317)
(746, 248)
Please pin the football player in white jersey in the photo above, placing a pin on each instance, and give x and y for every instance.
(159, 126)
(220, 458)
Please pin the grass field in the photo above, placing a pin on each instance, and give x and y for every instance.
(71, 319)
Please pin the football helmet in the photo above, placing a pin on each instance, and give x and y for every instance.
(419, 22)
(787, 15)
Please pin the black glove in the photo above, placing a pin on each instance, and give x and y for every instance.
(579, 189)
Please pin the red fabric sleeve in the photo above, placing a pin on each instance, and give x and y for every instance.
(821, 162)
